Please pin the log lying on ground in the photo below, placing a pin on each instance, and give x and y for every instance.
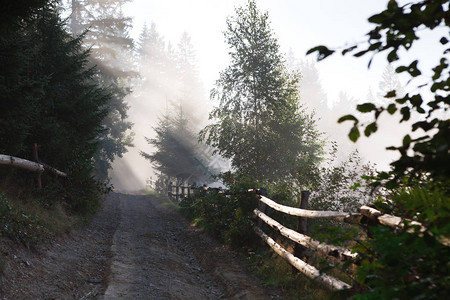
(28, 165)
(310, 271)
(353, 218)
(304, 240)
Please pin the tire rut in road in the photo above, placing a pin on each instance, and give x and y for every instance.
(149, 261)
(157, 255)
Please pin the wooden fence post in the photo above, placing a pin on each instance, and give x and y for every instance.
(36, 159)
(302, 226)
(169, 189)
(189, 190)
(177, 191)
(262, 206)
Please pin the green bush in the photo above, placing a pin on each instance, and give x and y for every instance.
(411, 263)
(226, 217)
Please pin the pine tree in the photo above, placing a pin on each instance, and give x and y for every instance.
(49, 97)
(176, 152)
(107, 36)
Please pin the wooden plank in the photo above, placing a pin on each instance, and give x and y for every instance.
(310, 271)
(336, 215)
(306, 241)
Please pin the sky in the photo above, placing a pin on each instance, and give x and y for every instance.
(299, 25)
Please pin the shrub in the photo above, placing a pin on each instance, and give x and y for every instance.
(411, 263)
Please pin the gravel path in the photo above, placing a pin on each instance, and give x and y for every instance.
(136, 248)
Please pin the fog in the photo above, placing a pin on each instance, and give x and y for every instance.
(193, 32)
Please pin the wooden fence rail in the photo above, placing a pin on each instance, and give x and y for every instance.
(353, 218)
(306, 241)
(28, 165)
(310, 271)
(299, 237)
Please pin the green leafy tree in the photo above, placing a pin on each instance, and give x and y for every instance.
(395, 29)
(259, 124)
(412, 262)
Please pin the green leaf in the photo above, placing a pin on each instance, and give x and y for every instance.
(406, 140)
(348, 118)
(374, 46)
(392, 108)
(366, 107)
(413, 70)
(443, 40)
(349, 49)
(371, 128)
(377, 19)
(416, 100)
(323, 52)
(392, 56)
(406, 113)
(361, 53)
(354, 134)
(390, 94)
(401, 69)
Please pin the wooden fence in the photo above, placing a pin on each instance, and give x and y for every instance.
(366, 215)
(178, 192)
(302, 241)
(35, 166)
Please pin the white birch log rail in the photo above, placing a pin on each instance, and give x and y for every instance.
(310, 271)
(293, 211)
(387, 220)
(28, 165)
(397, 222)
(304, 240)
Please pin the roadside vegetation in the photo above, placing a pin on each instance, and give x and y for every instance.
(407, 263)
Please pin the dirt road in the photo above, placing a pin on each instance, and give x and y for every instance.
(136, 248)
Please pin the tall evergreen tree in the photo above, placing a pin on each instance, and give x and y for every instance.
(259, 124)
(107, 36)
(14, 12)
(176, 150)
(49, 97)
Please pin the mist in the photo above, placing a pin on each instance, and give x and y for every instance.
(168, 84)
(177, 69)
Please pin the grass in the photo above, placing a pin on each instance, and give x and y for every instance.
(27, 218)
(278, 273)
(30, 223)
